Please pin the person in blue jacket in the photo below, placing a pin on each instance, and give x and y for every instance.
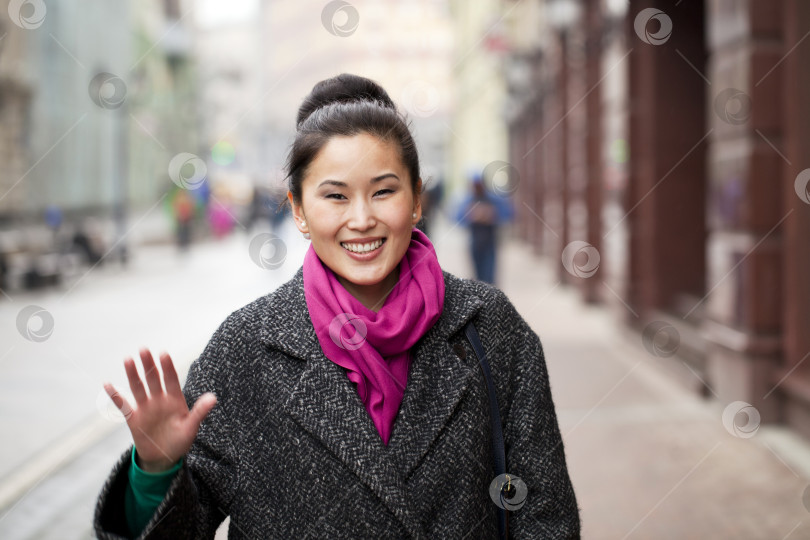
(483, 212)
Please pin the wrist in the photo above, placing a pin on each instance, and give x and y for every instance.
(153, 467)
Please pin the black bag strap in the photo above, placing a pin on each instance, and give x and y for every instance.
(494, 418)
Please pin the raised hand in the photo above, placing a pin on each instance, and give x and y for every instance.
(162, 426)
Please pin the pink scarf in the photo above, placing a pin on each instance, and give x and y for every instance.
(374, 347)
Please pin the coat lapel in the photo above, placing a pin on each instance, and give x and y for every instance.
(326, 403)
(437, 380)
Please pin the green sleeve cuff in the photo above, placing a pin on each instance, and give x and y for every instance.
(144, 494)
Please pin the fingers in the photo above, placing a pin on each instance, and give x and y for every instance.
(151, 373)
(201, 408)
(119, 400)
(170, 378)
(135, 383)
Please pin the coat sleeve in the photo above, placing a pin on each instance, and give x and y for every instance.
(201, 494)
(532, 440)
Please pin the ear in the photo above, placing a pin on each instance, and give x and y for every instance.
(417, 207)
(298, 214)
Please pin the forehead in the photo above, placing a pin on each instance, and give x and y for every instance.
(353, 157)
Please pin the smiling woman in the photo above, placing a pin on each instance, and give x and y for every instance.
(348, 403)
(366, 208)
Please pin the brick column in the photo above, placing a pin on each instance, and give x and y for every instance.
(517, 140)
(560, 139)
(668, 139)
(794, 372)
(746, 240)
(593, 136)
(550, 149)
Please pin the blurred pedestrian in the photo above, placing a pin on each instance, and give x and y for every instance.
(220, 215)
(295, 420)
(3, 268)
(183, 212)
(431, 202)
(86, 242)
(279, 212)
(53, 218)
(483, 212)
(258, 209)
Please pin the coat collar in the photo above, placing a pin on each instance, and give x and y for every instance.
(286, 314)
(327, 404)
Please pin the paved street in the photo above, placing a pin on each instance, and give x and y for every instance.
(52, 405)
(648, 459)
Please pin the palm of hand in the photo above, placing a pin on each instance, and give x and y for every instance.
(162, 426)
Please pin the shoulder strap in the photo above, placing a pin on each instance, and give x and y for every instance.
(494, 416)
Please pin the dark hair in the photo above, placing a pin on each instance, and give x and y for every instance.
(347, 105)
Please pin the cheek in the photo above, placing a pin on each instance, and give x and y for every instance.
(400, 213)
(324, 221)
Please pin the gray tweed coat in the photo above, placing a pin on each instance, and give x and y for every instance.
(290, 451)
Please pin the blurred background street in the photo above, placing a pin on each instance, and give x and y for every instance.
(634, 174)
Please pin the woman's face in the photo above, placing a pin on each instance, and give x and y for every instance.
(357, 203)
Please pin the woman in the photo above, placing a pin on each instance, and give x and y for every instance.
(336, 407)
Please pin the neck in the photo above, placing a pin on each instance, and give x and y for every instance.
(372, 296)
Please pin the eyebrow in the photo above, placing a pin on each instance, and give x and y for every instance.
(373, 180)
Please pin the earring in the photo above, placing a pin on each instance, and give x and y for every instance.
(307, 235)
(414, 215)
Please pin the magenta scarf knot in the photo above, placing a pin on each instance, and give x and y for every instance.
(374, 347)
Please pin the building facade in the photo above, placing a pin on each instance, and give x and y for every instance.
(662, 153)
(97, 99)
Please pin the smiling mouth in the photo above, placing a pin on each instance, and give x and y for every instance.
(363, 248)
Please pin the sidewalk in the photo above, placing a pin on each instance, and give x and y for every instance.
(648, 459)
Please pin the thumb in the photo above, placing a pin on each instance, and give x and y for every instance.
(201, 408)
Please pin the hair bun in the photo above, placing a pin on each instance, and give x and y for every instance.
(344, 88)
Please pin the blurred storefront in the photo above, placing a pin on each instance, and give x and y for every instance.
(662, 150)
(95, 99)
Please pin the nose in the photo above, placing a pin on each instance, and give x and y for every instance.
(361, 216)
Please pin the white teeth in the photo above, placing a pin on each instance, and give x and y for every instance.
(362, 248)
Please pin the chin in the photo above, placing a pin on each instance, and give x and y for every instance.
(365, 279)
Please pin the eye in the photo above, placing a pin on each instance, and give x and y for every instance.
(384, 191)
(336, 196)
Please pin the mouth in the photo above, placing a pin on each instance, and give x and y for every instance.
(363, 247)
